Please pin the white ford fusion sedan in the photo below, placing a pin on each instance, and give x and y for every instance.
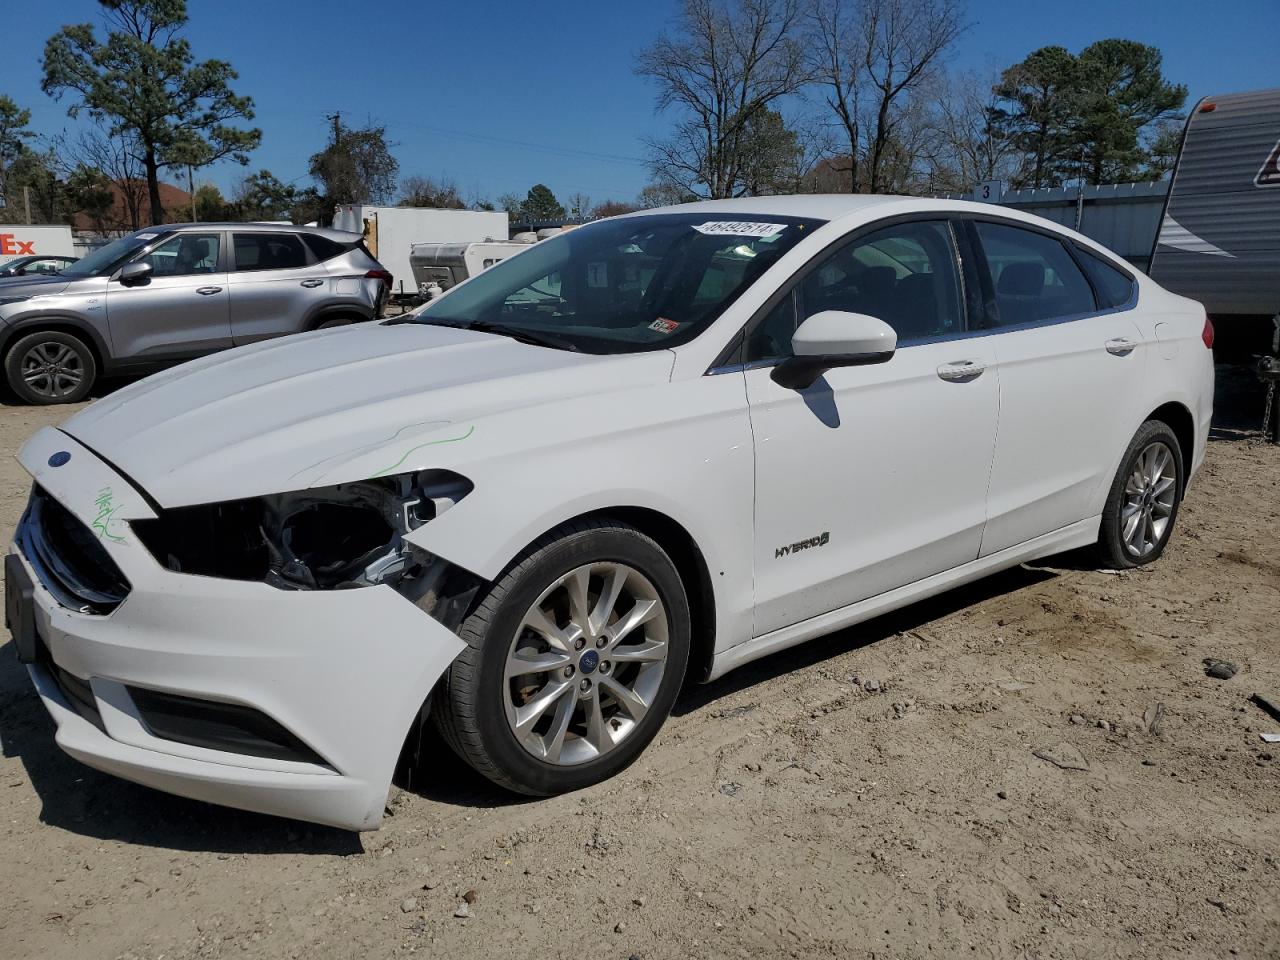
(650, 449)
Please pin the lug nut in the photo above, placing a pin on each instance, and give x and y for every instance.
(604, 666)
(568, 672)
(600, 642)
(579, 643)
(585, 685)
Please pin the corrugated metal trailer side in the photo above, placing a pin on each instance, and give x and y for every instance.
(1219, 239)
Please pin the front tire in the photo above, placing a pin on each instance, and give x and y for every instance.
(573, 661)
(50, 367)
(1142, 505)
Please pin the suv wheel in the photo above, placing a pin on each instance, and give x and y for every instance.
(50, 367)
(573, 661)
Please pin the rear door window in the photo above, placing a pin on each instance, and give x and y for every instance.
(269, 251)
(1036, 280)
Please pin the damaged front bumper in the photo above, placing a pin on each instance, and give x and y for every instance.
(288, 702)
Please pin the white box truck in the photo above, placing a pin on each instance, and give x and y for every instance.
(390, 232)
(17, 240)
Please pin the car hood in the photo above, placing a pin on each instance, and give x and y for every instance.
(331, 407)
(31, 286)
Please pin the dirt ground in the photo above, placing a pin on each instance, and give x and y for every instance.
(791, 809)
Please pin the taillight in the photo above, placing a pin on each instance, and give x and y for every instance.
(1207, 333)
(384, 275)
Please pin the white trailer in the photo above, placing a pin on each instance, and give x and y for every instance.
(390, 232)
(439, 266)
(17, 240)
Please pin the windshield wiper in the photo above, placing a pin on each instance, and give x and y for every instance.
(521, 335)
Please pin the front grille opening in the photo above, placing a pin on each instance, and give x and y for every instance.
(229, 727)
(68, 558)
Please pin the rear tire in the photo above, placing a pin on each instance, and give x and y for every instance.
(49, 367)
(600, 712)
(1142, 505)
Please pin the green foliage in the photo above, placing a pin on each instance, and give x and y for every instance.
(261, 196)
(143, 81)
(773, 157)
(88, 191)
(210, 204)
(1095, 116)
(356, 167)
(541, 204)
(33, 175)
(425, 192)
(13, 136)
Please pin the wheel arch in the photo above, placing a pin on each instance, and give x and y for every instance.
(83, 331)
(357, 313)
(1178, 418)
(691, 565)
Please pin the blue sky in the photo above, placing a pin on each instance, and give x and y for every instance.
(500, 95)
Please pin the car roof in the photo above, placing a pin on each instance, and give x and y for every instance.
(341, 236)
(838, 206)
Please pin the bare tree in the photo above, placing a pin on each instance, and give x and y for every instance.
(419, 191)
(120, 158)
(968, 148)
(725, 62)
(906, 42)
(871, 57)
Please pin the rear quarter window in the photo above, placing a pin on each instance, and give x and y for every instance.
(1113, 286)
(324, 248)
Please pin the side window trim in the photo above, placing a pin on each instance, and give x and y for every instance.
(988, 287)
(308, 256)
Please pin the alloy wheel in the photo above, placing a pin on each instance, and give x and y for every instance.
(1149, 498)
(52, 369)
(586, 663)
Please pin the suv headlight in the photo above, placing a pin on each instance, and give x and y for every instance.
(326, 538)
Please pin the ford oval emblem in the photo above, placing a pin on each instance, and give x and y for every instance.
(59, 458)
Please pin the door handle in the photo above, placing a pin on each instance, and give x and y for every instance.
(961, 371)
(312, 283)
(208, 291)
(1121, 346)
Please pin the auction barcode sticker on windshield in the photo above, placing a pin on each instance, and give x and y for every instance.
(739, 228)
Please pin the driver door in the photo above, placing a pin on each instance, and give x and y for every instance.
(181, 310)
(875, 476)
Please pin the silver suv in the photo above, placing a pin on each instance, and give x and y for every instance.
(167, 294)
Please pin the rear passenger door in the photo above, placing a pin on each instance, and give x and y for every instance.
(1071, 365)
(276, 285)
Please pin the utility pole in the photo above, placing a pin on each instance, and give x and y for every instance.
(26, 199)
(337, 125)
(191, 189)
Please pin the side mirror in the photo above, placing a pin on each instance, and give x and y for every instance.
(834, 338)
(134, 274)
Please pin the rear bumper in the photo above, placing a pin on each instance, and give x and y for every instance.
(344, 672)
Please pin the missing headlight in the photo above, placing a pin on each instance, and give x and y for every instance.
(348, 535)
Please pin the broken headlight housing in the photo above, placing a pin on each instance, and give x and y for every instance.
(325, 538)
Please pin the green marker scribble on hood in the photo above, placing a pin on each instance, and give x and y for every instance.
(429, 443)
(367, 446)
(107, 509)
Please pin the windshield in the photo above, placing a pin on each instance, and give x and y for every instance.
(626, 285)
(104, 259)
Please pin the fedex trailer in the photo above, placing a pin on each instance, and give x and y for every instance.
(17, 240)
